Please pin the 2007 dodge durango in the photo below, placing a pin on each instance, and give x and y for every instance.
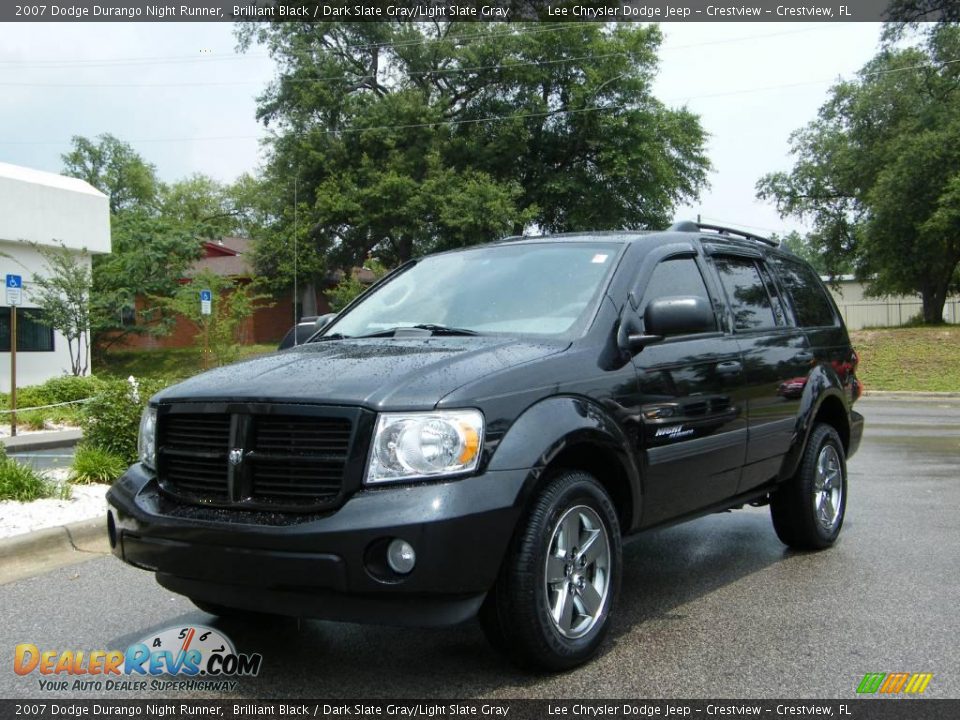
(478, 431)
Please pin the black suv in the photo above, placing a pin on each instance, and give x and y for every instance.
(478, 431)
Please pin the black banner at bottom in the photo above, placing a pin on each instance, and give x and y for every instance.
(854, 709)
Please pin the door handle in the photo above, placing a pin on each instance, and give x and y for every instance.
(731, 367)
(803, 356)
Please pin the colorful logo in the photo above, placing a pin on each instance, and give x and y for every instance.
(894, 683)
(189, 651)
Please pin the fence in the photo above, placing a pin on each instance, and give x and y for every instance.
(890, 314)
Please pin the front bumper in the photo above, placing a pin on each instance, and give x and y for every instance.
(327, 566)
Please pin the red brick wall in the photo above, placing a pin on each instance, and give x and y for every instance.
(267, 325)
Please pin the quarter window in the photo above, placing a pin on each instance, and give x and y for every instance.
(746, 293)
(807, 295)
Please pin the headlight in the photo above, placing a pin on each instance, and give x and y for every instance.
(147, 442)
(407, 446)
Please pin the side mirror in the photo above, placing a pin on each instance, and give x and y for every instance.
(679, 315)
(324, 320)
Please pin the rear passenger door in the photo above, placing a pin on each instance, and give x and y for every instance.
(776, 357)
(692, 411)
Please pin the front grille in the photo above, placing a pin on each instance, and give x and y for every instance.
(256, 460)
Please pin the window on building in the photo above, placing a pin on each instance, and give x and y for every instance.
(34, 334)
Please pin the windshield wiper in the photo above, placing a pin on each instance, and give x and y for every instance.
(433, 328)
(445, 329)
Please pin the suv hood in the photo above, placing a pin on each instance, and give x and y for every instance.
(379, 373)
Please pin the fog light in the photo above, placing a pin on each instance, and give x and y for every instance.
(400, 556)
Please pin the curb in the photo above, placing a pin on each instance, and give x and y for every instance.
(909, 394)
(37, 552)
(42, 441)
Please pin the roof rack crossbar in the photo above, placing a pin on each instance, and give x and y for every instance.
(690, 226)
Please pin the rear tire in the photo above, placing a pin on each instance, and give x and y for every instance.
(808, 510)
(550, 607)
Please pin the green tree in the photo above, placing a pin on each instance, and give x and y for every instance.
(219, 331)
(113, 167)
(806, 248)
(202, 206)
(349, 287)
(877, 173)
(404, 138)
(150, 255)
(63, 293)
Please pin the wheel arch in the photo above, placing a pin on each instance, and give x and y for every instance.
(823, 401)
(575, 433)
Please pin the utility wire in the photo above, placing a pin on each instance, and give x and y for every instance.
(332, 78)
(173, 59)
(53, 63)
(514, 116)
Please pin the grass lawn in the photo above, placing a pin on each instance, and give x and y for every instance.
(171, 363)
(921, 359)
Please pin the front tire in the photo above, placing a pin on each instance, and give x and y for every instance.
(550, 607)
(808, 510)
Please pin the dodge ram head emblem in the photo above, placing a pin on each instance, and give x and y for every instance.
(236, 456)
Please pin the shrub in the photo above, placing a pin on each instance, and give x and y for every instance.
(95, 465)
(111, 421)
(56, 390)
(23, 483)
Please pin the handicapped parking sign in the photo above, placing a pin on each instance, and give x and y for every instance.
(206, 299)
(14, 289)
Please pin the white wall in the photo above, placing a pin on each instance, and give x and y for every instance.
(51, 209)
(32, 367)
(48, 210)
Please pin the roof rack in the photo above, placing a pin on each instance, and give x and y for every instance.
(690, 226)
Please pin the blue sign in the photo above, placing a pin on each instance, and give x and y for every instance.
(14, 281)
(205, 295)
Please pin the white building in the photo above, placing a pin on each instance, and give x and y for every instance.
(44, 209)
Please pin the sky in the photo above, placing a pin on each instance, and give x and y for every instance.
(183, 97)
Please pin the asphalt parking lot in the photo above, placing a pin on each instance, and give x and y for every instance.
(713, 608)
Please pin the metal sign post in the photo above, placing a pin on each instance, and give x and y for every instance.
(206, 301)
(14, 298)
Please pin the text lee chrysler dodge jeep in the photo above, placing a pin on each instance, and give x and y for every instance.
(477, 432)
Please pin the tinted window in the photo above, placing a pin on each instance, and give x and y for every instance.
(677, 276)
(746, 293)
(807, 294)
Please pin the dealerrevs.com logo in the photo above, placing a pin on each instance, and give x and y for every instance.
(177, 658)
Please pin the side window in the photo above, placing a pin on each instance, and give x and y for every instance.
(746, 293)
(675, 276)
(807, 295)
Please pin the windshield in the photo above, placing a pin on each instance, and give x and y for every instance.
(532, 288)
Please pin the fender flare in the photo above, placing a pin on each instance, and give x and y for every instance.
(554, 425)
(822, 384)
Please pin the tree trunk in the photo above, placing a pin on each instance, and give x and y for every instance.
(933, 301)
